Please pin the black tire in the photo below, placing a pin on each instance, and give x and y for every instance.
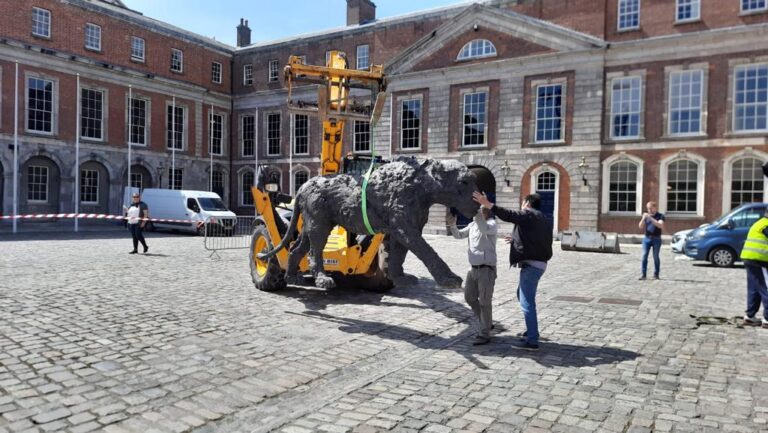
(267, 276)
(722, 257)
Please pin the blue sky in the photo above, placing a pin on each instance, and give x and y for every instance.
(268, 20)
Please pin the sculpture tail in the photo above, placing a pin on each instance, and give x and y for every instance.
(286, 238)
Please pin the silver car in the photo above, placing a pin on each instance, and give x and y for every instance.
(678, 241)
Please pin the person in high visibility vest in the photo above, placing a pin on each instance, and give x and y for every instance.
(755, 258)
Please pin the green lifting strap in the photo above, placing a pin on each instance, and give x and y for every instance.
(365, 186)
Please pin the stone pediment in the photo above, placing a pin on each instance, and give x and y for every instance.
(513, 35)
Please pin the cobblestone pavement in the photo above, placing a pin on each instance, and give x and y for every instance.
(92, 339)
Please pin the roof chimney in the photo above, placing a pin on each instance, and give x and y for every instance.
(243, 33)
(360, 12)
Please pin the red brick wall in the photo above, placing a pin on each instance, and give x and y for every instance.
(68, 35)
(586, 16)
(657, 18)
(713, 188)
(506, 48)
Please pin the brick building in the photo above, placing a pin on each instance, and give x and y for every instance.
(599, 105)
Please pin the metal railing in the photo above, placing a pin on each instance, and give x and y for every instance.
(228, 233)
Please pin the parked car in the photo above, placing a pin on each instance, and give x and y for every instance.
(721, 241)
(678, 241)
(197, 207)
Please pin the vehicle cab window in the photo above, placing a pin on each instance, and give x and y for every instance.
(192, 205)
(748, 217)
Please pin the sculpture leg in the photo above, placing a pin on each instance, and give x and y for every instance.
(397, 253)
(318, 236)
(295, 256)
(440, 271)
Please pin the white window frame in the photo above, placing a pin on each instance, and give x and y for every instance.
(400, 103)
(640, 112)
(222, 139)
(734, 104)
(104, 115)
(607, 163)
(241, 187)
(184, 126)
(563, 114)
(138, 176)
(83, 185)
(90, 38)
(484, 46)
(294, 186)
(754, 10)
(138, 49)
(216, 76)
(177, 53)
(47, 183)
(147, 118)
(248, 74)
(45, 23)
(700, 183)
(619, 14)
(296, 136)
(54, 105)
(693, 18)
(274, 71)
(279, 133)
(728, 174)
(463, 95)
(366, 56)
(701, 108)
(355, 137)
(242, 135)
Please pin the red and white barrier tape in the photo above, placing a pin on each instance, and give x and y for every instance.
(92, 216)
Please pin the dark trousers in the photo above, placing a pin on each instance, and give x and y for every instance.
(649, 244)
(757, 290)
(138, 236)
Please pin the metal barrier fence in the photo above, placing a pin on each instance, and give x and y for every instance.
(228, 233)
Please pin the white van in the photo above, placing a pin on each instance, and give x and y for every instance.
(197, 207)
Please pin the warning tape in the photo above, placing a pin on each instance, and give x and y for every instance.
(93, 216)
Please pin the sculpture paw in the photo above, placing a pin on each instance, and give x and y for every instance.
(451, 282)
(405, 280)
(292, 279)
(324, 282)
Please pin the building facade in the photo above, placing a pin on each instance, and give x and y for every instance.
(598, 105)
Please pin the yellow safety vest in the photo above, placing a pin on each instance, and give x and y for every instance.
(756, 245)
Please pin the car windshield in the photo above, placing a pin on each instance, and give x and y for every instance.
(213, 204)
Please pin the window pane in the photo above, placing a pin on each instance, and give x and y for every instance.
(685, 97)
(249, 135)
(362, 138)
(301, 134)
(273, 134)
(625, 107)
(40, 105)
(682, 186)
(751, 98)
(410, 124)
(549, 113)
(91, 114)
(629, 14)
(622, 195)
(474, 119)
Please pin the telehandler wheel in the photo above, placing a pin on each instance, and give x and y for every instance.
(266, 274)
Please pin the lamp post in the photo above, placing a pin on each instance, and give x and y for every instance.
(160, 169)
(505, 169)
(583, 166)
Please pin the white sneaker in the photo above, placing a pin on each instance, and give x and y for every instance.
(752, 321)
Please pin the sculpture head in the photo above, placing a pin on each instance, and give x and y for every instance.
(451, 184)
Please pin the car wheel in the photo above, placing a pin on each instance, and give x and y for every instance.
(722, 257)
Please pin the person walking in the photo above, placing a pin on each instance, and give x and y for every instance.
(755, 258)
(137, 214)
(653, 223)
(530, 250)
(478, 287)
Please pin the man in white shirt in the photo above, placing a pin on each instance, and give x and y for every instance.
(478, 287)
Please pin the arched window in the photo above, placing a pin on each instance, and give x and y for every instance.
(622, 187)
(246, 182)
(546, 181)
(477, 48)
(682, 186)
(746, 182)
(299, 178)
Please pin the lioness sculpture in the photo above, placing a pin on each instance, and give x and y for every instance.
(399, 196)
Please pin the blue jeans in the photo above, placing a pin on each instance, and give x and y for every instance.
(757, 292)
(526, 293)
(649, 243)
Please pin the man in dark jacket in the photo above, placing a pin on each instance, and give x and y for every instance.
(530, 250)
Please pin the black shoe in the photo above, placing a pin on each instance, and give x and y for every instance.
(479, 341)
(146, 249)
(525, 345)
(642, 277)
(522, 334)
(656, 277)
(133, 252)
